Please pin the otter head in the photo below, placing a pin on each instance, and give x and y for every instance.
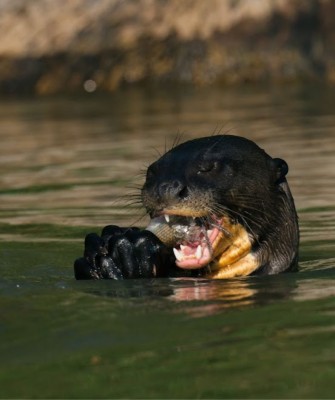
(216, 201)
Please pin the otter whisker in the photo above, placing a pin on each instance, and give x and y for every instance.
(135, 197)
(139, 219)
(134, 203)
(227, 211)
(252, 205)
(222, 229)
(208, 242)
(135, 187)
(177, 139)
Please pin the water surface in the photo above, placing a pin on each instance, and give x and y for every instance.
(68, 166)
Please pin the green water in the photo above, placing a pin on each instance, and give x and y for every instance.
(67, 167)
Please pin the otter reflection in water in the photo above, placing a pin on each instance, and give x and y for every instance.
(199, 297)
(220, 207)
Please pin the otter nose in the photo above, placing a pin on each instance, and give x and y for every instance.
(172, 191)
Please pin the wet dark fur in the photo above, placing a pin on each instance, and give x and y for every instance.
(231, 175)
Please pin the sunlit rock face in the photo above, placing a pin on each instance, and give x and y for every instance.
(51, 46)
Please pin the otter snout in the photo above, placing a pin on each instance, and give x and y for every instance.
(172, 191)
(164, 194)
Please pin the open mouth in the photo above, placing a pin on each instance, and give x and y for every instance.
(195, 241)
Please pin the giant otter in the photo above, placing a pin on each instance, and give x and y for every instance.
(220, 207)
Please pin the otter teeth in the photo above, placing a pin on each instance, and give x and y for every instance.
(167, 218)
(198, 253)
(178, 254)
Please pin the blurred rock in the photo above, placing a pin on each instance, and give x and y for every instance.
(50, 46)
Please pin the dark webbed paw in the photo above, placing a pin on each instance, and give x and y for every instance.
(122, 253)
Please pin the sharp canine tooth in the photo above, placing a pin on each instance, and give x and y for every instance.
(198, 253)
(167, 218)
(177, 254)
(206, 252)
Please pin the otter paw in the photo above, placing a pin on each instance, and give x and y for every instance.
(122, 253)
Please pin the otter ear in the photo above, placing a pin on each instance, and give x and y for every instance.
(281, 169)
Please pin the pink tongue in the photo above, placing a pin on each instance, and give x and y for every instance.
(188, 251)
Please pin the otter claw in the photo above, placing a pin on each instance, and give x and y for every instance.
(122, 253)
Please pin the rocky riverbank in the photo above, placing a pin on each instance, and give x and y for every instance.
(58, 46)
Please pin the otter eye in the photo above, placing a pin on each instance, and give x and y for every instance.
(207, 167)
